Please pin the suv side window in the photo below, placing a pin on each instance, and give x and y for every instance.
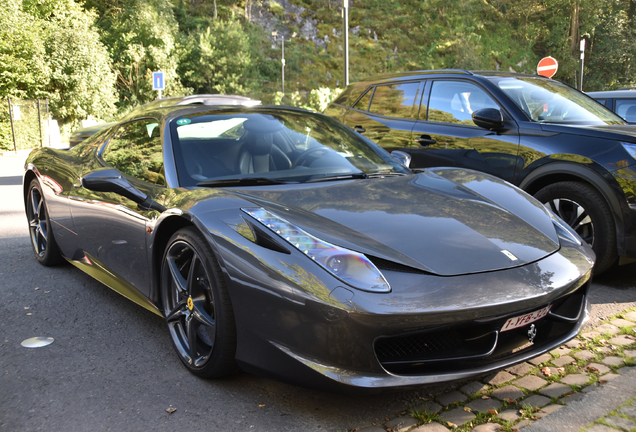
(395, 100)
(626, 108)
(455, 101)
(363, 103)
(135, 149)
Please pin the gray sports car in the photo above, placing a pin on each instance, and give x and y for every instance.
(282, 242)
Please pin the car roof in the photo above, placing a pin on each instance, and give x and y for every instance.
(613, 94)
(169, 112)
(419, 74)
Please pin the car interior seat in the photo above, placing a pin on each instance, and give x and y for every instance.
(259, 153)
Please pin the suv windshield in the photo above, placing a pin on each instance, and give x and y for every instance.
(272, 146)
(547, 101)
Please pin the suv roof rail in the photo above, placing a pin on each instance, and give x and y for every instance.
(627, 88)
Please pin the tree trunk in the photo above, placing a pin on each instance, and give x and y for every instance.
(574, 28)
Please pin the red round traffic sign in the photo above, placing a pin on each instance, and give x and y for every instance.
(547, 67)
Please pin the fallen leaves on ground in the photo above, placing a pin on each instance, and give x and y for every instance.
(546, 371)
(493, 411)
(170, 410)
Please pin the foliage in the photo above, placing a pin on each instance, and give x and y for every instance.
(91, 57)
(141, 38)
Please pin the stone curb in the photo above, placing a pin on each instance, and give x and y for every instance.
(588, 388)
(593, 406)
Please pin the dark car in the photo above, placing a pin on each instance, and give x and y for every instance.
(198, 99)
(622, 102)
(551, 140)
(279, 240)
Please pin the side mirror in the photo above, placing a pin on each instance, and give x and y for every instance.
(488, 118)
(402, 157)
(111, 180)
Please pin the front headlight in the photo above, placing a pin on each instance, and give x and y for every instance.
(351, 267)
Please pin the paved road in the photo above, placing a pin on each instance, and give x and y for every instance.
(112, 366)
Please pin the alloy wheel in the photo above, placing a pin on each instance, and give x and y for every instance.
(189, 305)
(38, 227)
(575, 216)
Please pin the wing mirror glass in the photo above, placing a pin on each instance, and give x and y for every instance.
(488, 118)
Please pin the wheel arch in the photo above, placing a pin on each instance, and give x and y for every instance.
(162, 234)
(564, 171)
(29, 176)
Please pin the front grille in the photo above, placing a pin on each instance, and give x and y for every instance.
(434, 344)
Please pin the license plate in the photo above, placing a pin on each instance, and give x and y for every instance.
(526, 319)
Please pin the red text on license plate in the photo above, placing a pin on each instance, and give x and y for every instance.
(526, 319)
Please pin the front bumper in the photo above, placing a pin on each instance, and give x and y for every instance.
(506, 351)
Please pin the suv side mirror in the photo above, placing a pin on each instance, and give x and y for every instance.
(488, 118)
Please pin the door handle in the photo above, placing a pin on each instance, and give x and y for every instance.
(425, 140)
(359, 128)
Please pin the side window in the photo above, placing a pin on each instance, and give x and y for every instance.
(455, 102)
(363, 103)
(626, 108)
(395, 100)
(135, 149)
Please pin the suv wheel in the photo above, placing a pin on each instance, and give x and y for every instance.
(585, 210)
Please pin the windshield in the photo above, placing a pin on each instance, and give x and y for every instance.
(264, 146)
(548, 101)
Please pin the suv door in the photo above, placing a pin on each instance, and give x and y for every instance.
(447, 136)
(387, 113)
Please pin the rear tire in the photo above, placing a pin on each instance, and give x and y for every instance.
(44, 246)
(585, 210)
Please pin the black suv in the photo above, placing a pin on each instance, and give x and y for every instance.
(556, 143)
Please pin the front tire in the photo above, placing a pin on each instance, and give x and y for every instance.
(585, 210)
(44, 246)
(197, 306)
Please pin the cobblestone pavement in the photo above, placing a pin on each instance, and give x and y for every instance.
(590, 381)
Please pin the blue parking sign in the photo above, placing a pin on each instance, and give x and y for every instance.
(157, 81)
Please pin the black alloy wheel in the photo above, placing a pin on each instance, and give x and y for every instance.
(42, 240)
(197, 307)
(585, 210)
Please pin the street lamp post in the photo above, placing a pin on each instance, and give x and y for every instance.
(275, 33)
(345, 13)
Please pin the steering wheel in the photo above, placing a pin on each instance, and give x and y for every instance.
(305, 155)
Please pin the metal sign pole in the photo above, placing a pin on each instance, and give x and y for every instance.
(40, 124)
(15, 147)
(582, 61)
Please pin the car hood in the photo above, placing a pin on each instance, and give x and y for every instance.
(615, 132)
(443, 221)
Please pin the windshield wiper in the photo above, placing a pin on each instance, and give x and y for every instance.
(244, 181)
(360, 175)
(384, 174)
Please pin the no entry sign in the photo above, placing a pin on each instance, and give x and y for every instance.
(547, 67)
